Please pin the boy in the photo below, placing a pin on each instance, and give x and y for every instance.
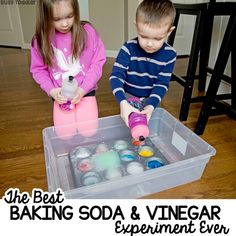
(144, 65)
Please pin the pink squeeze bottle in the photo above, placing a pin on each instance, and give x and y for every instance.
(138, 122)
(68, 90)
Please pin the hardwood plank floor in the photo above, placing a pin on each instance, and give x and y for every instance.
(25, 110)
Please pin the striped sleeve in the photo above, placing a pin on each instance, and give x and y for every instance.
(162, 81)
(119, 73)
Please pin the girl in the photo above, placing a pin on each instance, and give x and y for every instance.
(64, 46)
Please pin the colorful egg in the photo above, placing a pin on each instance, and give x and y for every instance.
(146, 151)
(127, 155)
(90, 178)
(154, 162)
(84, 165)
(102, 147)
(120, 145)
(134, 168)
(81, 152)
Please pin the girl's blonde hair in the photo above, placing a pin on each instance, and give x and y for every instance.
(45, 30)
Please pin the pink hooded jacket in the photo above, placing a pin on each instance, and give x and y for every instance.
(87, 69)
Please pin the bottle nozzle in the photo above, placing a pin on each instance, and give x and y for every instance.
(141, 138)
(71, 78)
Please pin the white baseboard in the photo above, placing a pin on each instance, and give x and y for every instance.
(26, 46)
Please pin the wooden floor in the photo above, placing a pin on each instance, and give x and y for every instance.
(25, 110)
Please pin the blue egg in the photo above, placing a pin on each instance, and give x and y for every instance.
(155, 163)
(91, 178)
(127, 155)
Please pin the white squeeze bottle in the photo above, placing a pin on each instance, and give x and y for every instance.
(68, 90)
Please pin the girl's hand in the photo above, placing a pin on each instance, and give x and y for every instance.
(80, 93)
(56, 94)
(125, 110)
(148, 111)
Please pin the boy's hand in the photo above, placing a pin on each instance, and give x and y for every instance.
(55, 93)
(80, 93)
(125, 110)
(148, 111)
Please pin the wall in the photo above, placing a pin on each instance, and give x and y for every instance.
(108, 18)
(84, 10)
(27, 15)
(132, 6)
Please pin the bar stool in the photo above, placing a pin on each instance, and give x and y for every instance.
(213, 104)
(200, 11)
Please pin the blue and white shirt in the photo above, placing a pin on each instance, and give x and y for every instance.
(142, 74)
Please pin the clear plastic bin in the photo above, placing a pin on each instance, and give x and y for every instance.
(184, 155)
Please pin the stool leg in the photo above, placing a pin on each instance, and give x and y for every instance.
(218, 71)
(205, 52)
(188, 88)
(171, 38)
(233, 74)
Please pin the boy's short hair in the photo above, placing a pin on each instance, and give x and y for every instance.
(155, 10)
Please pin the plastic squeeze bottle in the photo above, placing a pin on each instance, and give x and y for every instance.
(68, 90)
(138, 122)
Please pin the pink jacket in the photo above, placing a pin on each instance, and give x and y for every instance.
(87, 69)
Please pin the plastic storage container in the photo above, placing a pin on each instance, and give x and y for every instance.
(182, 157)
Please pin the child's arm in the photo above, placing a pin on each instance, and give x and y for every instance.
(117, 79)
(39, 70)
(161, 86)
(41, 75)
(55, 93)
(125, 110)
(148, 111)
(119, 73)
(94, 73)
